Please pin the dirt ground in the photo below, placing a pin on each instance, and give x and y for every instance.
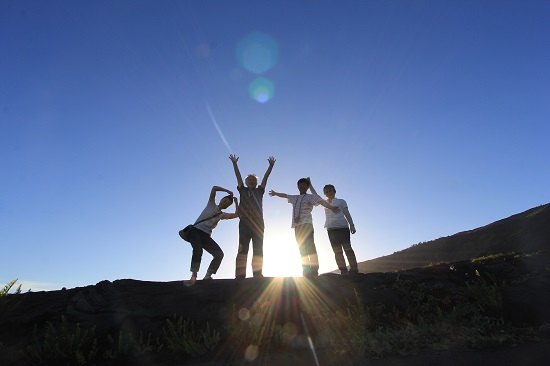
(534, 354)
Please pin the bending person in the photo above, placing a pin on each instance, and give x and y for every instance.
(200, 235)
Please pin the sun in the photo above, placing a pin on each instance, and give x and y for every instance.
(281, 255)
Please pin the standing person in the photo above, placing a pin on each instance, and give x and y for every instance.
(251, 223)
(200, 235)
(339, 225)
(302, 223)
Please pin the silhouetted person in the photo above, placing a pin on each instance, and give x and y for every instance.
(251, 224)
(302, 222)
(200, 235)
(339, 225)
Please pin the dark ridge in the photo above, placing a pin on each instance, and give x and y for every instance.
(525, 232)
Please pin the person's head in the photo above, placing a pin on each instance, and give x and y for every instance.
(303, 185)
(225, 202)
(251, 181)
(329, 191)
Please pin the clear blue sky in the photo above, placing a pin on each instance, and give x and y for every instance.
(117, 118)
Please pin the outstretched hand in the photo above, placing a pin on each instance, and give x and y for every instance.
(272, 193)
(271, 160)
(233, 158)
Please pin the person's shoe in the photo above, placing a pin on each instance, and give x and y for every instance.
(353, 272)
(207, 278)
(240, 277)
(258, 275)
(344, 272)
(191, 281)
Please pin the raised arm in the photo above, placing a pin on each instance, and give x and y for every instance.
(234, 159)
(282, 195)
(215, 189)
(271, 161)
(313, 191)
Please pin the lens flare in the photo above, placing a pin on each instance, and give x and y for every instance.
(261, 90)
(251, 352)
(244, 314)
(257, 53)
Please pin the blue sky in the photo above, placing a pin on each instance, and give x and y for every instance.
(117, 118)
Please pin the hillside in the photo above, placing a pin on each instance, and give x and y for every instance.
(521, 233)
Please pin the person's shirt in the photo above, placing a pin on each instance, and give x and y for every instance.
(210, 210)
(302, 205)
(251, 206)
(336, 220)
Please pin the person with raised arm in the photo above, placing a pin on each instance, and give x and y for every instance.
(200, 235)
(302, 223)
(251, 222)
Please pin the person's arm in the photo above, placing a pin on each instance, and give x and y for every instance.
(234, 159)
(282, 195)
(350, 220)
(215, 189)
(271, 161)
(313, 191)
(324, 203)
(236, 213)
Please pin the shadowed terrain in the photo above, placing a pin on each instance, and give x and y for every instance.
(521, 233)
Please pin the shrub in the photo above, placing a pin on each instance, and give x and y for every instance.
(180, 336)
(63, 343)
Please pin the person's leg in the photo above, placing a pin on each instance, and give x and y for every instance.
(306, 244)
(242, 254)
(335, 239)
(345, 241)
(312, 251)
(257, 252)
(299, 233)
(195, 239)
(214, 249)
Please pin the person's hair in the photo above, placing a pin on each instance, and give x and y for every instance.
(251, 175)
(303, 180)
(329, 186)
(230, 196)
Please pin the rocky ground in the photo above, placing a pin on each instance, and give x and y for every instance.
(299, 321)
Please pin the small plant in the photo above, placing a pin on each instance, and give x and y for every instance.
(487, 292)
(64, 343)
(5, 291)
(180, 336)
(487, 257)
(256, 326)
(127, 346)
(6, 300)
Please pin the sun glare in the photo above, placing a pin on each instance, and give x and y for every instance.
(281, 255)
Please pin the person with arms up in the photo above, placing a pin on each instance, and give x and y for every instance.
(251, 223)
(339, 225)
(302, 223)
(200, 235)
